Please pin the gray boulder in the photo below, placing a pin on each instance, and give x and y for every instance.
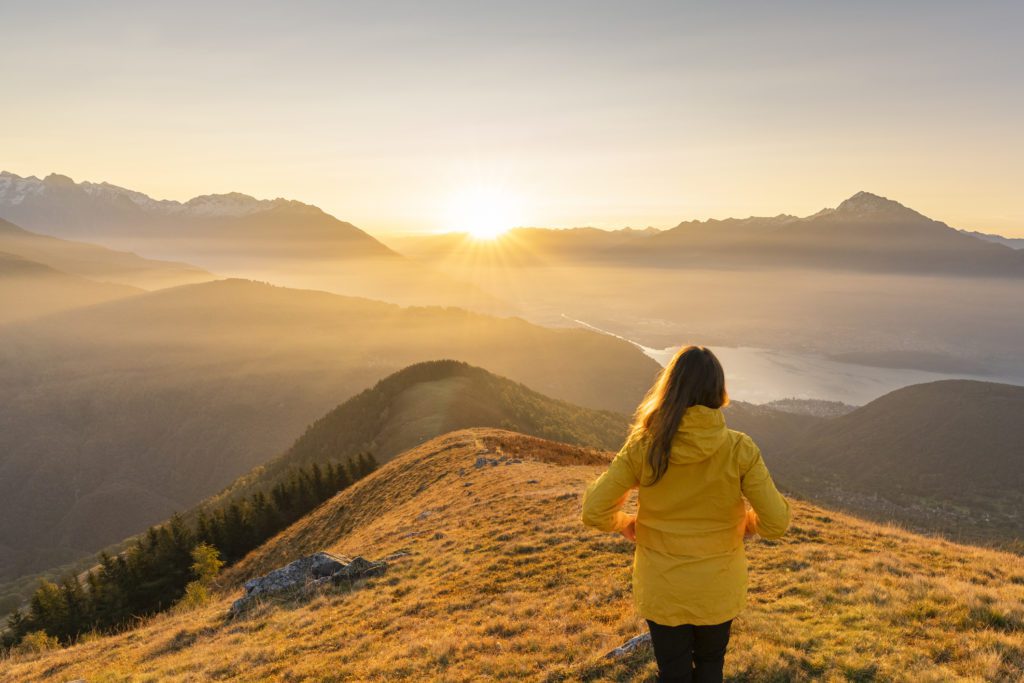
(304, 575)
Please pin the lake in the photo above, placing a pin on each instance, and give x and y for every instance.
(763, 375)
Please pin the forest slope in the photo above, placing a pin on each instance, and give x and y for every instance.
(945, 456)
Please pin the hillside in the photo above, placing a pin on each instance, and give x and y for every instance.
(29, 289)
(97, 263)
(431, 398)
(428, 399)
(503, 581)
(113, 417)
(944, 456)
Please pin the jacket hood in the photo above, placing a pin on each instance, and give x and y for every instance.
(701, 434)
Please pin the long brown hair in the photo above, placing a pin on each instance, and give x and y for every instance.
(693, 377)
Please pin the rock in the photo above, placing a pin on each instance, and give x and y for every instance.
(410, 534)
(395, 555)
(305, 574)
(359, 568)
(630, 646)
(324, 564)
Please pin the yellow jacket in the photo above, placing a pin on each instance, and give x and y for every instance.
(689, 566)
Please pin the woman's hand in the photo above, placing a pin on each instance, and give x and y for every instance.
(629, 531)
(750, 525)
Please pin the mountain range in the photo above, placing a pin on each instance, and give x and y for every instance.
(228, 223)
(1012, 242)
(864, 233)
(280, 240)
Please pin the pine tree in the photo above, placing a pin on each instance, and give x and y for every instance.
(47, 610)
(77, 611)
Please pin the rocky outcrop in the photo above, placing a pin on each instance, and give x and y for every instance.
(304, 575)
(630, 646)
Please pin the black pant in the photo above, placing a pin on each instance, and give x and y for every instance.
(689, 653)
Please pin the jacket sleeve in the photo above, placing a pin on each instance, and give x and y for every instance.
(604, 498)
(771, 515)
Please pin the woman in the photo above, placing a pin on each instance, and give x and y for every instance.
(693, 473)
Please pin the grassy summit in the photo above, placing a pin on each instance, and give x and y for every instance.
(502, 581)
(425, 400)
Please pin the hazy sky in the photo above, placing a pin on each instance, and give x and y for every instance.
(583, 113)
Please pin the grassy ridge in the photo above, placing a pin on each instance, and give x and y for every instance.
(502, 581)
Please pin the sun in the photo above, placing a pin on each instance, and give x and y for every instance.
(483, 212)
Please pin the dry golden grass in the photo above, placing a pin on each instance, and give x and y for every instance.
(503, 582)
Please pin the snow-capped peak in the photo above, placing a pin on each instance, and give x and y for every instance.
(230, 204)
(868, 205)
(15, 190)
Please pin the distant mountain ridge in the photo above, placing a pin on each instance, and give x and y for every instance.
(29, 289)
(17, 191)
(866, 232)
(23, 195)
(219, 224)
(522, 246)
(1012, 242)
(281, 240)
(97, 263)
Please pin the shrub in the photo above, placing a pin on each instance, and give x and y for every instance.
(36, 642)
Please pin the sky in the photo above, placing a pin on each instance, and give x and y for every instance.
(570, 113)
